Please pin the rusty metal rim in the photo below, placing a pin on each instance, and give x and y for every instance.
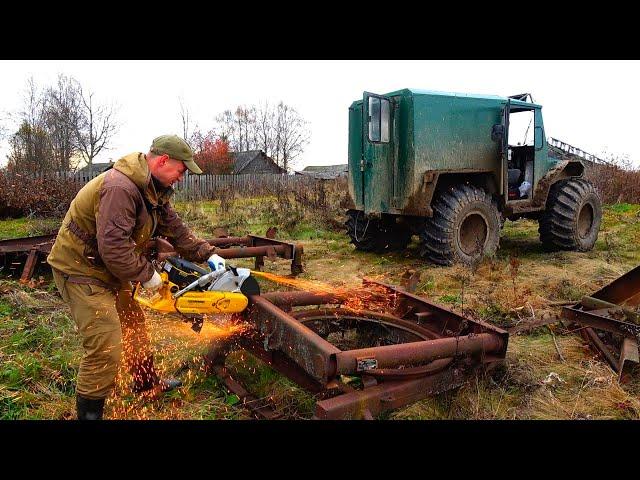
(331, 314)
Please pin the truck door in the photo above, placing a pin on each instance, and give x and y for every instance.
(378, 159)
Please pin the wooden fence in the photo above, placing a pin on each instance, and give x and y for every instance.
(194, 187)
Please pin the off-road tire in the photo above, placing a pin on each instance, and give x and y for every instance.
(375, 235)
(572, 217)
(465, 226)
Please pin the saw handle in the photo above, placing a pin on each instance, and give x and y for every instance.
(160, 293)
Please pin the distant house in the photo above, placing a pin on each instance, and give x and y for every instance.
(325, 172)
(254, 161)
(95, 168)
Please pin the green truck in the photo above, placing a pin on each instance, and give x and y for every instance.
(451, 167)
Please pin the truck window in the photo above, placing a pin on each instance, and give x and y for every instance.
(379, 119)
(521, 128)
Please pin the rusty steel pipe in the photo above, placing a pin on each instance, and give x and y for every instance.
(390, 356)
(242, 252)
(298, 299)
(230, 241)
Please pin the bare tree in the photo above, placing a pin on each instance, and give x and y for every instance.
(96, 127)
(226, 128)
(263, 128)
(185, 116)
(62, 113)
(279, 131)
(245, 121)
(291, 135)
(198, 139)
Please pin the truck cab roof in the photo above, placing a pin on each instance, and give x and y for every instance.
(418, 91)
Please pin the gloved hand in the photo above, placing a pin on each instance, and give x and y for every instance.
(216, 263)
(154, 283)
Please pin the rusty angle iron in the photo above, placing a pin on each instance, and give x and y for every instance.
(26, 254)
(610, 321)
(409, 351)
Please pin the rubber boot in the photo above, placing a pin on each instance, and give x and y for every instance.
(89, 408)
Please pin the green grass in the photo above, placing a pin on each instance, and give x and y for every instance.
(24, 227)
(623, 208)
(39, 354)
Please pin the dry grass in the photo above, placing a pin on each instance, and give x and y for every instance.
(511, 289)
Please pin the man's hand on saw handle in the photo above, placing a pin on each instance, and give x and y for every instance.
(154, 283)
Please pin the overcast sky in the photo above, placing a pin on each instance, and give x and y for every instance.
(592, 105)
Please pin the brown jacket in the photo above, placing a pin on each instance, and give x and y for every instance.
(111, 218)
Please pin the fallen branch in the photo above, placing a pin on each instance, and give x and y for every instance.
(555, 343)
(561, 303)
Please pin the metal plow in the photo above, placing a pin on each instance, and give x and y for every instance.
(360, 352)
(610, 321)
(23, 257)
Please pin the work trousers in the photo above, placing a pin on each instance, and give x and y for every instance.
(111, 323)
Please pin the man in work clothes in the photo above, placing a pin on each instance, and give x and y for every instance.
(98, 254)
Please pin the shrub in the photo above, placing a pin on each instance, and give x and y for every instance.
(23, 195)
(616, 183)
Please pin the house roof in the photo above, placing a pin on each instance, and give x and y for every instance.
(96, 167)
(325, 171)
(327, 168)
(242, 159)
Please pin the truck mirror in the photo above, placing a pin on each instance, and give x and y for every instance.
(497, 132)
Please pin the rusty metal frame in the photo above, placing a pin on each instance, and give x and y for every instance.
(600, 327)
(27, 252)
(260, 247)
(391, 375)
(34, 249)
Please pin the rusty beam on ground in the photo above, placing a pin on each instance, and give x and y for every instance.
(29, 266)
(222, 241)
(610, 320)
(592, 319)
(260, 247)
(361, 404)
(259, 407)
(629, 356)
(42, 243)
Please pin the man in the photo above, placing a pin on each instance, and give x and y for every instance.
(98, 254)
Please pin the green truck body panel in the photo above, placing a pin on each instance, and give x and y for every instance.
(431, 132)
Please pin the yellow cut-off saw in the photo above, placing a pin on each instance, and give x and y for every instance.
(194, 291)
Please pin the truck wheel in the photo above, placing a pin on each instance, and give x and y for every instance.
(373, 235)
(464, 227)
(572, 218)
